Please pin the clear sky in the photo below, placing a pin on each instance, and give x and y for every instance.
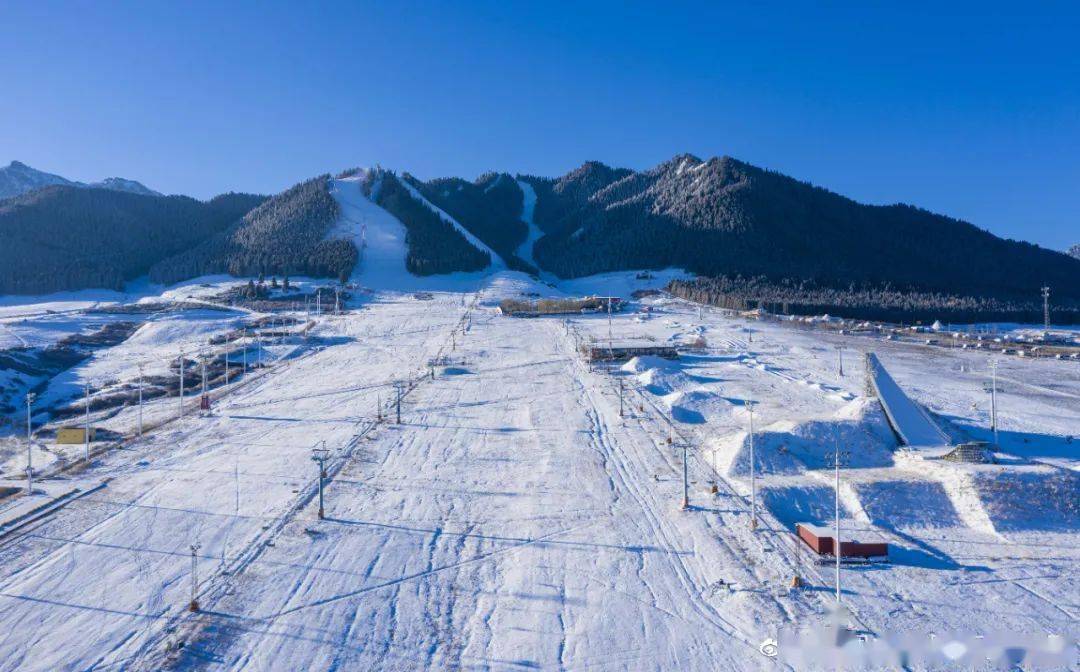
(972, 111)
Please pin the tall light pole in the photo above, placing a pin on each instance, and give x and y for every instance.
(140, 399)
(753, 469)
(29, 434)
(840, 358)
(993, 399)
(86, 428)
(685, 479)
(1046, 308)
(319, 455)
(397, 388)
(194, 604)
(181, 384)
(836, 504)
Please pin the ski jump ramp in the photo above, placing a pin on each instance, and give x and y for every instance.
(911, 422)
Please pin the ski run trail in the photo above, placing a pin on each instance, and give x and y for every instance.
(514, 519)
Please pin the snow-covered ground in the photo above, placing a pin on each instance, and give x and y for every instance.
(515, 520)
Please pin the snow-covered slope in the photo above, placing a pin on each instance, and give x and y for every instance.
(121, 184)
(380, 238)
(497, 262)
(525, 251)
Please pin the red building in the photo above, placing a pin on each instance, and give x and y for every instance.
(821, 539)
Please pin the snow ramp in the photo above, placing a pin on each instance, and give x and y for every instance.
(911, 422)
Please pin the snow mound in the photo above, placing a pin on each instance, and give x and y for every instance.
(1032, 498)
(859, 430)
(803, 504)
(646, 363)
(908, 504)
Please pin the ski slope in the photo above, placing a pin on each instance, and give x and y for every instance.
(514, 520)
(528, 209)
(380, 238)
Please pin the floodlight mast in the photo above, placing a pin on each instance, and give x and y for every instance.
(319, 455)
(86, 428)
(993, 399)
(29, 446)
(1046, 308)
(685, 479)
(194, 604)
(140, 400)
(753, 469)
(29, 402)
(181, 385)
(836, 501)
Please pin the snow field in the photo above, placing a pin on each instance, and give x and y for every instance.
(515, 520)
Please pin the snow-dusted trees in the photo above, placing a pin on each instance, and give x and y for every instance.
(64, 237)
(435, 246)
(286, 234)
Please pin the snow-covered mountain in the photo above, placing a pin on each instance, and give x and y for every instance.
(18, 178)
(1074, 251)
(121, 184)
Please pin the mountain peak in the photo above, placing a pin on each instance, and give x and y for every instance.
(18, 178)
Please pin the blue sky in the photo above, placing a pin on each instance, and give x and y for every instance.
(972, 111)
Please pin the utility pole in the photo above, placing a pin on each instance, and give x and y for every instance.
(840, 356)
(397, 388)
(685, 479)
(621, 397)
(1046, 308)
(245, 350)
(194, 604)
(86, 429)
(204, 402)
(319, 455)
(181, 384)
(140, 366)
(753, 469)
(836, 541)
(29, 434)
(318, 301)
(993, 399)
(226, 366)
(258, 349)
(29, 446)
(378, 407)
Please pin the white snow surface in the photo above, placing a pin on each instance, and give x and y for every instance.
(528, 209)
(380, 238)
(514, 520)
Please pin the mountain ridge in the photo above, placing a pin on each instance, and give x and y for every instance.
(17, 179)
